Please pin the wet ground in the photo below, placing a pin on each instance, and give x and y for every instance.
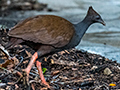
(98, 39)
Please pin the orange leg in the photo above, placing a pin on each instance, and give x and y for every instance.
(38, 64)
(32, 61)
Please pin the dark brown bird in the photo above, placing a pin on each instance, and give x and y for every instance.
(49, 33)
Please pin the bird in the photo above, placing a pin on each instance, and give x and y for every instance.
(49, 34)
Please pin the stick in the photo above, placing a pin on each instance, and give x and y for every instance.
(5, 51)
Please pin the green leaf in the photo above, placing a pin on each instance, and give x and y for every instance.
(44, 70)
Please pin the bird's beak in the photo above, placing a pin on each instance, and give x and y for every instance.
(102, 22)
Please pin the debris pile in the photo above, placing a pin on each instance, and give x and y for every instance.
(68, 69)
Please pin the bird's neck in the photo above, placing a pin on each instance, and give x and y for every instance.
(82, 27)
(80, 30)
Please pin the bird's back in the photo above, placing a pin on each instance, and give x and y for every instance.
(45, 29)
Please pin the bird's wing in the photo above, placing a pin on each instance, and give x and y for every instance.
(44, 29)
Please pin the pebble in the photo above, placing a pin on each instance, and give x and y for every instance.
(107, 71)
(2, 84)
(94, 67)
(115, 78)
(100, 58)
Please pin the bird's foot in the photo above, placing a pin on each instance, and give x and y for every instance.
(38, 64)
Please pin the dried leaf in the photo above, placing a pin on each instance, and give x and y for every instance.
(67, 51)
(62, 52)
(16, 87)
(16, 61)
(6, 63)
(45, 59)
(11, 83)
(52, 61)
(55, 72)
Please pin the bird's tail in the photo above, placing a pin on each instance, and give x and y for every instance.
(13, 42)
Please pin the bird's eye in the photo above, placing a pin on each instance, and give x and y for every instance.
(97, 17)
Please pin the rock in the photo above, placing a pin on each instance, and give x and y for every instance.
(94, 67)
(100, 58)
(107, 71)
(115, 78)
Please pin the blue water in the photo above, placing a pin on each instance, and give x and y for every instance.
(99, 39)
(75, 10)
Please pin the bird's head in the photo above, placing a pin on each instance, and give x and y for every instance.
(94, 16)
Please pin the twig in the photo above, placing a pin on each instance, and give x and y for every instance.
(101, 86)
(5, 51)
(5, 69)
(76, 81)
(19, 62)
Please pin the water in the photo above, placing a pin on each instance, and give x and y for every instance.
(98, 39)
(105, 50)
